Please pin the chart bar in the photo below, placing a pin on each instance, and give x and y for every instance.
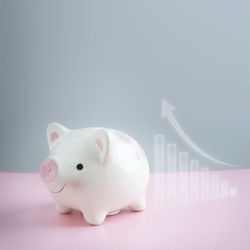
(194, 181)
(171, 195)
(183, 190)
(172, 175)
(159, 153)
(215, 187)
(224, 189)
(205, 184)
(171, 157)
(183, 161)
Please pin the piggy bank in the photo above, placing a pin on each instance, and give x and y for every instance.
(98, 171)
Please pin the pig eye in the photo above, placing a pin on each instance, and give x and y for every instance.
(79, 166)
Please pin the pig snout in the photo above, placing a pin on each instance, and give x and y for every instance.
(48, 170)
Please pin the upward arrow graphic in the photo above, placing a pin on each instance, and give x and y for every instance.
(167, 111)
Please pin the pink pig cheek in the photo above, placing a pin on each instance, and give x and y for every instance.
(76, 184)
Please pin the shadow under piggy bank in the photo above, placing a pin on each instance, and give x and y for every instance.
(47, 216)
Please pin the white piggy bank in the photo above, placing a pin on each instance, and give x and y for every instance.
(95, 170)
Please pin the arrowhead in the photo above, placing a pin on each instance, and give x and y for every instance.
(166, 108)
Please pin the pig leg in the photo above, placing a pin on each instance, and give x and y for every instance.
(94, 218)
(138, 205)
(61, 209)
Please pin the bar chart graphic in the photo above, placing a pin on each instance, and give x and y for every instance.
(185, 180)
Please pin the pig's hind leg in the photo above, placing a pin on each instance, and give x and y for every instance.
(138, 205)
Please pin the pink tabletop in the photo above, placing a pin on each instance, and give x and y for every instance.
(202, 215)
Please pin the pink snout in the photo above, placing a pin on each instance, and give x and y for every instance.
(48, 170)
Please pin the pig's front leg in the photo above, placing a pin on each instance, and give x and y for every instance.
(94, 218)
(62, 209)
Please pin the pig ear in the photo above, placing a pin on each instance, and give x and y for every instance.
(100, 140)
(54, 132)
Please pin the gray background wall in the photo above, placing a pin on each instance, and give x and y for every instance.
(109, 63)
